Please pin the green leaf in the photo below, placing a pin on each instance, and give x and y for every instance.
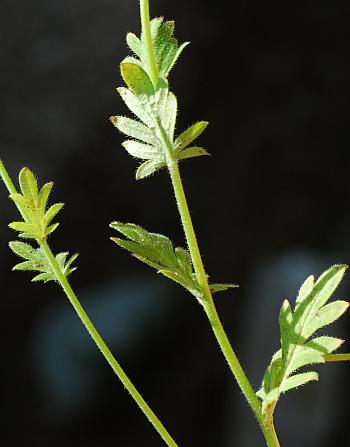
(45, 277)
(51, 228)
(190, 135)
(140, 150)
(24, 250)
(298, 380)
(36, 261)
(192, 152)
(285, 321)
(301, 356)
(52, 212)
(148, 168)
(136, 79)
(221, 287)
(177, 55)
(305, 289)
(155, 25)
(27, 266)
(184, 260)
(311, 314)
(325, 344)
(22, 227)
(157, 251)
(135, 105)
(19, 200)
(325, 316)
(135, 129)
(170, 112)
(44, 195)
(135, 44)
(28, 185)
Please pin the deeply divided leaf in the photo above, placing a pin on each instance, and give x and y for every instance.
(157, 251)
(37, 220)
(298, 350)
(35, 260)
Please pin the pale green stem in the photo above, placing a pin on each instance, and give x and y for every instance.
(337, 357)
(91, 328)
(209, 306)
(147, 38)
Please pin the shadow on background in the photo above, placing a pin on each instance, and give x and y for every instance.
(270, 206)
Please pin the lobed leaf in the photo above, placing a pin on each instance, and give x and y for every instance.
(157, 251)
(37, 261)
(311, 314)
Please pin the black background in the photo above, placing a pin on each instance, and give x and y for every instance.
(270, 207)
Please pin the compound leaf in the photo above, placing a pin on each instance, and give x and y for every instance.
(35, 260)
(311, 314)
(157, 251)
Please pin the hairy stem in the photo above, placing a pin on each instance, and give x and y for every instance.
(62, 280)
(210, 309)
(337, 357)
(146, 32)
(270, 424)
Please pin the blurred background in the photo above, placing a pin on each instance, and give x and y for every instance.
(270, 207)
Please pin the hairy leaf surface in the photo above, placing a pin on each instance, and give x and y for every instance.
(311, 313)
(35, 260)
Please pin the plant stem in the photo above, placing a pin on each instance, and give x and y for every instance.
(147, 37)
(210, 309)
(337, 357)
(62, 280)
(104, 349)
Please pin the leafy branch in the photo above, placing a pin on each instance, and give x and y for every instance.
(37, 225)
(298, 348)
(153, 140)
(154, 106)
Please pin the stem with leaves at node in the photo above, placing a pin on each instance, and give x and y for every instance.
(62, 280)
(210, 309)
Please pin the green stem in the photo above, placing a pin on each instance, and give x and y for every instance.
(104, 348)
(210, 309)
(269, 420)
(147, 38)
(91, 328)
(337, 357)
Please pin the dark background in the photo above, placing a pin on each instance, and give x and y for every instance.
(270, 207)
